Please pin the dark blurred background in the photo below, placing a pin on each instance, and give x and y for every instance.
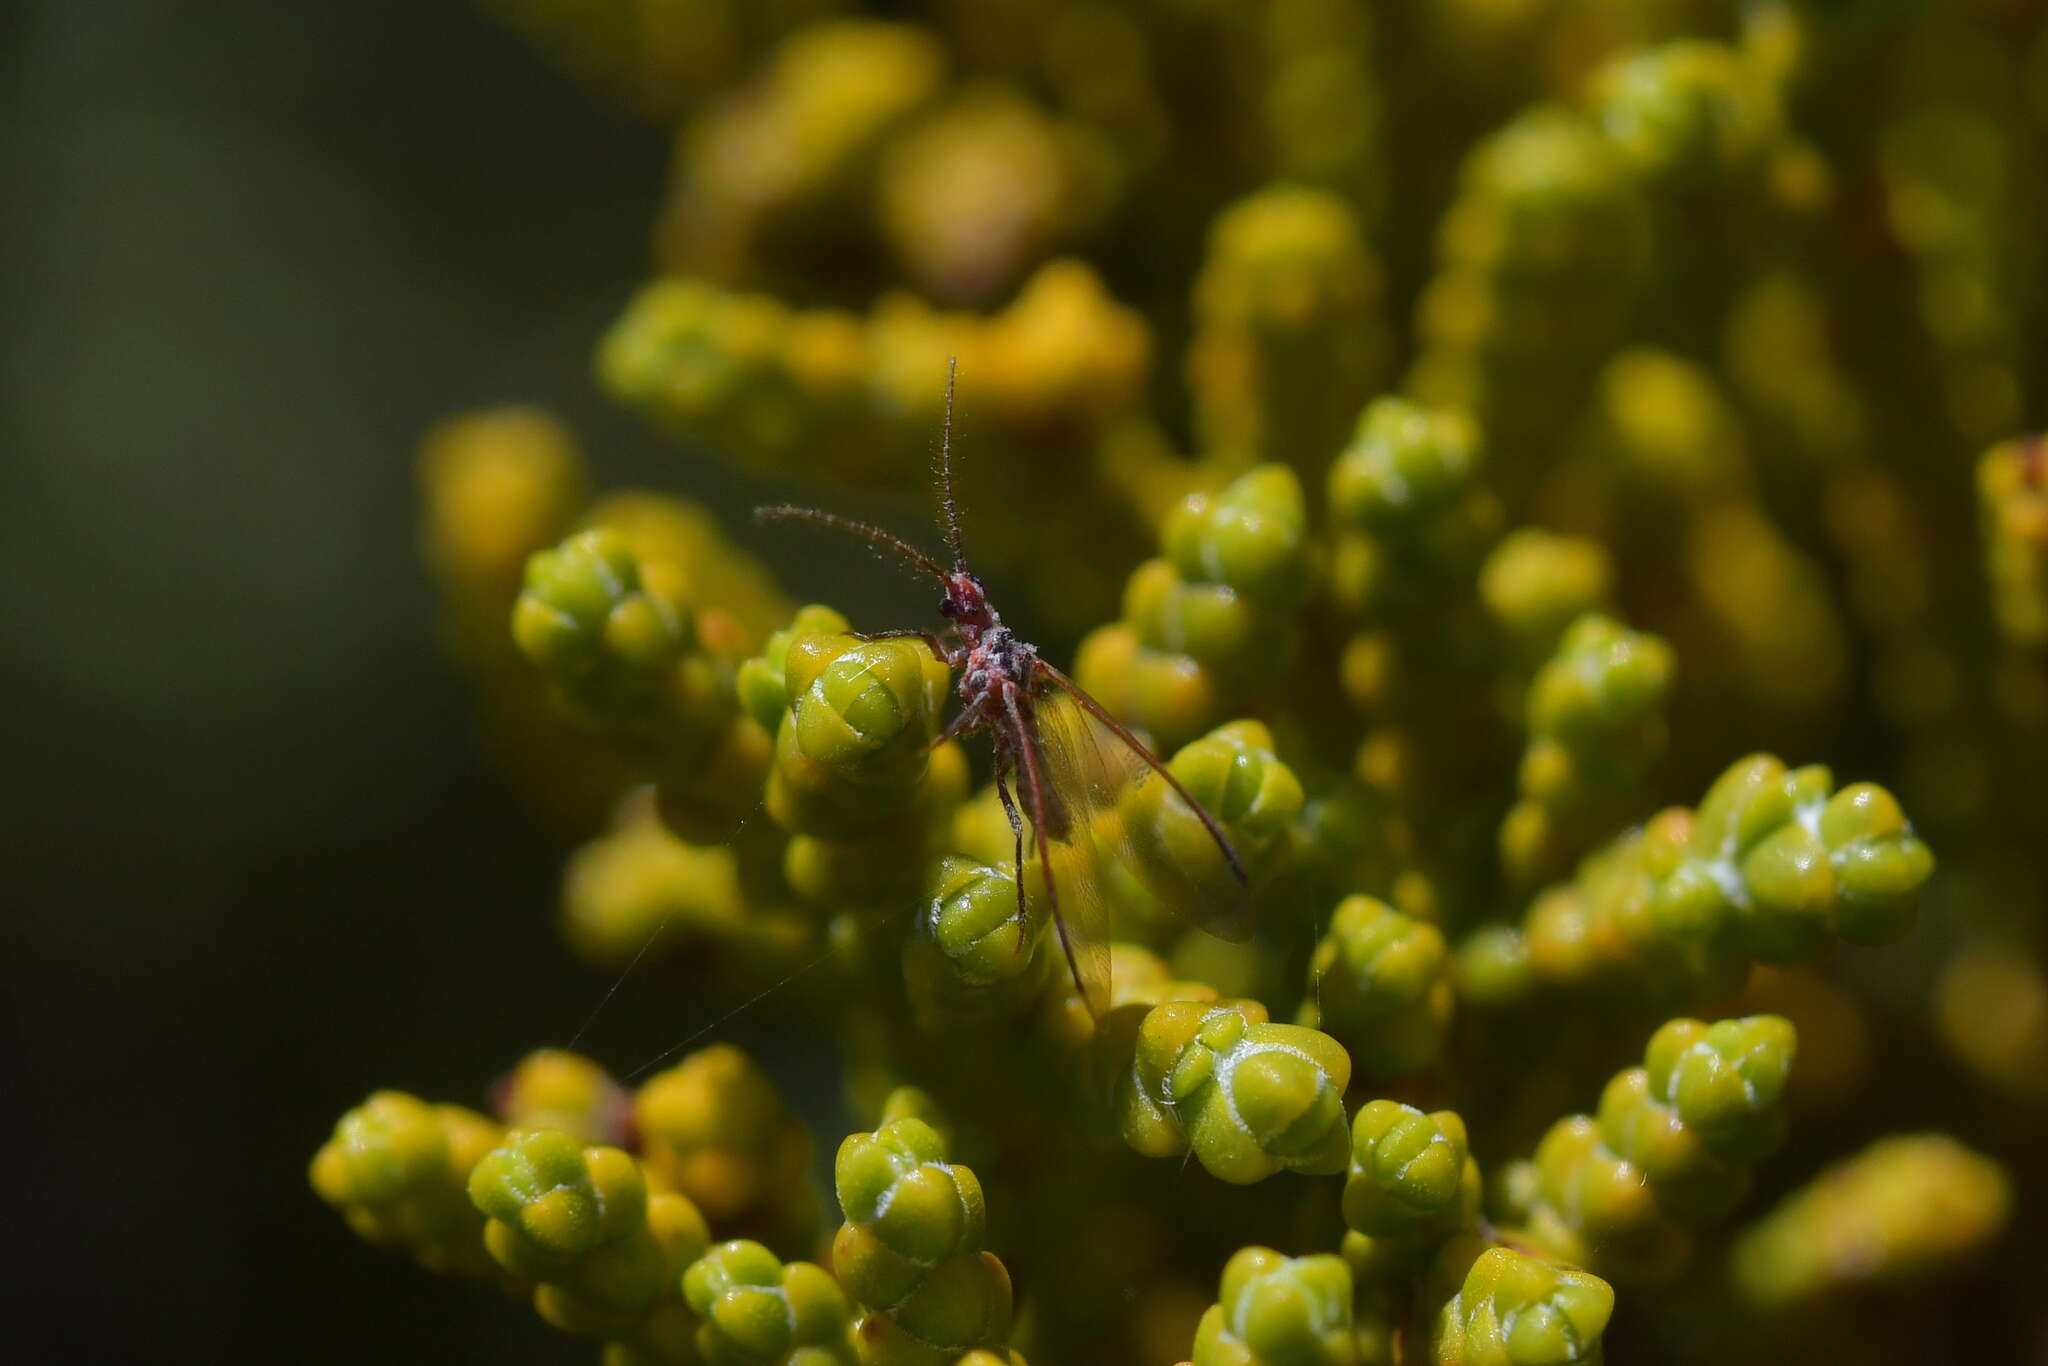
(254, 865)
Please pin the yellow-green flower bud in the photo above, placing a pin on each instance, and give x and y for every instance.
(1412, 1176)
(1535, 583)
(1211, 623)
(1380, 982)
(1252, 536)
(1169, 696)
(1223, 598)
(1289, 336)
(1597, 928)
(715, 1128)
(638, 878)
(1406, 467)
(854, 704)
(1276, 1310)
(959, 235)
(497, 486)
(1414, 511)
(1495, 1306)
(974, 921)
(398, 1169)
(1776, 864)
(555, 1089)
(910, 1207)
(1992, 1008)
(1539, 259)
(716, 365)
(2012, 494)
(1350, 835)
(1604, 680)
(854, 748)
(1234, 773)
(827, 98)
(1671, 1147)
(973, 958)
(1725, 1081)
(1552, 180)
(742, 600)
(910, 1250)
(1687, 111)
(1491, 967)
(1909, 1208)
(613, 636)
(763, 681)
(580, 1225)
(551, 1200)
(1594, 713)
(1250, 1097)
(913, 1102)
(758, 1312)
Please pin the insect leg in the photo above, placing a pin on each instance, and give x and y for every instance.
(1025, 740)
(1139, 748)
(1017, 832)
(962, 723)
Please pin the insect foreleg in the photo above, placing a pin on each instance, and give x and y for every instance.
(1025, 741)
(961, 723)
(1017, 833)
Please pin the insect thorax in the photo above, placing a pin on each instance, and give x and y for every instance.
(1008, 657)
(996, 657)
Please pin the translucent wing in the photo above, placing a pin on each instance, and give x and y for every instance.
(1060, 872)
(1143, 845)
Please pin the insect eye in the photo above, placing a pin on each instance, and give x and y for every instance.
(946, 606)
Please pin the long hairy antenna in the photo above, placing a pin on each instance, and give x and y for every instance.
(873, 535)
(951, 509)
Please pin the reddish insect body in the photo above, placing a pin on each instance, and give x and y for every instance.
(1002, 685)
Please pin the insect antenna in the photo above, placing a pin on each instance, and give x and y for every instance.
(873, 535)
(950, 508)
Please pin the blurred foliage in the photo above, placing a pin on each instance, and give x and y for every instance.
(1449, 432)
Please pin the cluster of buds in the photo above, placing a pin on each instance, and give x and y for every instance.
(1421, 654)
